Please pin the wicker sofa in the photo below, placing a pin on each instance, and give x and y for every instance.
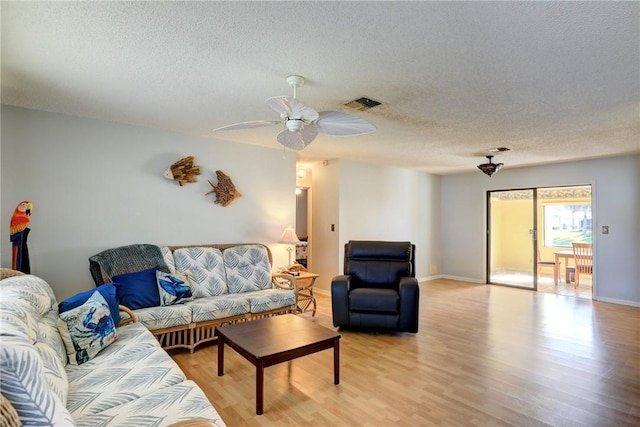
(130, 382)
(230, 283)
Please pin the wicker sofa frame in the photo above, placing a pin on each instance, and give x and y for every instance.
(193, 334)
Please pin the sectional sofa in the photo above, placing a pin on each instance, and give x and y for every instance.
(131, 381)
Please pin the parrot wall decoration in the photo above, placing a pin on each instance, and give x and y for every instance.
(18, 233)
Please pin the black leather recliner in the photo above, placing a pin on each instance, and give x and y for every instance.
(378, 290)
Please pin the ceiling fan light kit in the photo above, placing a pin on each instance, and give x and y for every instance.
(490, 168)
(303, 123)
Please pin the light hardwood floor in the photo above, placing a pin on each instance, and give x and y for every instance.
(484, 356)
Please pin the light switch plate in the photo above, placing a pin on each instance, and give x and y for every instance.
(605, 229)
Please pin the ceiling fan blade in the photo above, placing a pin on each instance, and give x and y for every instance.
(248, 125)
(298, 140)
(339, 123)
(291, 107)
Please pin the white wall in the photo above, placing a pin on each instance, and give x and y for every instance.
(616, 203)
(367, 202)
(96, 185)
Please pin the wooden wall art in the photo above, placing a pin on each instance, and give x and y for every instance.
(183, 171)
(225, 190)
(18, 233)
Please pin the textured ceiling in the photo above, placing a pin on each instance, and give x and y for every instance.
(554, 81)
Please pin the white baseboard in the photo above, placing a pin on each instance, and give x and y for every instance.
(468, 279)
(462, 279)
(426, 279)
(617, 301)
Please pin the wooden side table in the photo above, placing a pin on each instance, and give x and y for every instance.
(305, 298)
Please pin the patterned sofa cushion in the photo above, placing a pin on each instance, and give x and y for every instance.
(204, 268)
(23, 301)
(185, 400)
(219, 307)
(270, 299)
(32, 357)
(248, 268)
(167, 255)
(131, 382)
(165, 316)
(23, 383)
(133, 366)
(51, 349)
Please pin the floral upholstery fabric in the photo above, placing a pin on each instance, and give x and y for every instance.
(248, 268)
(131, 367)
(165, 316)
(270, 299)
(25, 317)
(133, 382)
(167, 255)
(205, 270)
(51, 348)
(226, 281)
(185, 400)
(31, 357)
(204, 309)
(23, 383)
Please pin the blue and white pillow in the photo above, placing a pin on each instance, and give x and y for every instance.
(173, 288)
(87, 329)
(107, 290)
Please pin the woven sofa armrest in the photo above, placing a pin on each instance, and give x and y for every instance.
(8, 414)
(5, 273)
(132, 316)
(284, 281)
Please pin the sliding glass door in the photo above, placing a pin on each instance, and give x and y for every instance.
(511, 233)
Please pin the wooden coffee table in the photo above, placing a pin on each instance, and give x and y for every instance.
(272, 340)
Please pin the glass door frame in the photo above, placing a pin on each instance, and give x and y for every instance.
(533, 232)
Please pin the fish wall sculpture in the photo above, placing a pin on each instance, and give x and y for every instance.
(183, 171)
(226, 191)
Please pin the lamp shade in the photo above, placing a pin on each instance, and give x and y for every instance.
(490, 168)
(289, 236)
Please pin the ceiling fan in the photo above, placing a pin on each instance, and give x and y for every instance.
(303, 123)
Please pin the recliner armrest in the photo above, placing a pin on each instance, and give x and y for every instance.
(340, 286)
(409, 304)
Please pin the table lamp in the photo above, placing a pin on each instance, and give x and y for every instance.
(290, 239)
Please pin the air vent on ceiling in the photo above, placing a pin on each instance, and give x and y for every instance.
(363, 104)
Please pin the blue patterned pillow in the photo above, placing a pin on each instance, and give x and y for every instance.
(138, 290)
(173, 288)
(108, 291)
(87, 329)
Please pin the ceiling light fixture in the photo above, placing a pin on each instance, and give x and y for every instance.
(498, 150)
(490, 168)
